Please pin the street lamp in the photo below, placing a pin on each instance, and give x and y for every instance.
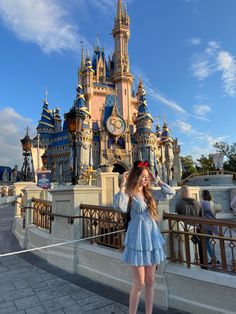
(26, 174)
(75, 118)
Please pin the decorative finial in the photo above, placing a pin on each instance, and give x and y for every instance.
(27, 132)
(46, 95)
(119, 9)
(164, 118)
(87, 56)
(98, 41)
(125, 8)
(82, 55)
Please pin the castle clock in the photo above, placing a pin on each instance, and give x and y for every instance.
(115, 125)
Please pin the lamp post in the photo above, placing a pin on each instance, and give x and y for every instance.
(75, 118)
(26, 174)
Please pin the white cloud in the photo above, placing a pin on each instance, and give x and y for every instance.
(202, 118)
(106, 6)
(48, 23)
(137, 72)
(227, 65)
(212, 47)
(12, 129)
(214, 59)
(194, 41)
(196, 151)
(201, 111)
(169, 103)
(183, 126)
(200, 142)
(201, 67)
(45, 23)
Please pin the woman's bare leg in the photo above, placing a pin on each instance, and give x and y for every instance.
(149, 288)
(138, 274)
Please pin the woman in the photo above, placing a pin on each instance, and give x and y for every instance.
(143, 240)
(233, 205)
(207, 211)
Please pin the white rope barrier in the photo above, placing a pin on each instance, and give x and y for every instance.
(58, 244)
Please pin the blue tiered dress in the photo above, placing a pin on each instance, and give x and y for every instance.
(143, 240)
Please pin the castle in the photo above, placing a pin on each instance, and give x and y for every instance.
(117, 127)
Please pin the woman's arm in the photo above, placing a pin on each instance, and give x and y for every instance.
(165, 193)
(120, 202)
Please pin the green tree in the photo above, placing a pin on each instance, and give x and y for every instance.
(188, 166)
(230, 153)
(205, 163)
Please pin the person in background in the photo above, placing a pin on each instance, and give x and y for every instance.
(143, 240)
(207, 211)
(233, 205)
(186, 205)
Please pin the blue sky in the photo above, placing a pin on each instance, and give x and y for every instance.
(185, 51)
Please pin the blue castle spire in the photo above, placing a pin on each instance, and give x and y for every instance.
(80, 100)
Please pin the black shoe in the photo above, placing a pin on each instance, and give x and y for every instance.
(211, 262)
(204, 267)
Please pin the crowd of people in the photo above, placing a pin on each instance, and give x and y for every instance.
(187, 205)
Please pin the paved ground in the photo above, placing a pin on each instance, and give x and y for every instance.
(29, 285)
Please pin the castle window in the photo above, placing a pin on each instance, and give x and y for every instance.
(125, 91)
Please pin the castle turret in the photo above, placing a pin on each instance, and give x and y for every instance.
(99, 64)
(158, 131)
(144, 137)
(165, 131)
(122, 77)
(46, 126)
(57, 120)
(88, 73)
(81, 68)
(141, 90)
(86, 135)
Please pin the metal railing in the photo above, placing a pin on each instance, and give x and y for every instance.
(188, 241)
(42, 213)
(209, 173)
(100, 220)
(187, 237)
(95, 221)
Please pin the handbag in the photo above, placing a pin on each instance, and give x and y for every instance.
(127, 216)
(215, 208)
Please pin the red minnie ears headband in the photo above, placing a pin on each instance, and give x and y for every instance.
(140, 164)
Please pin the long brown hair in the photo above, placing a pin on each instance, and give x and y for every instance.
(132, 187)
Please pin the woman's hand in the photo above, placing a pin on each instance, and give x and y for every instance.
(151, 176)
(156, 180)
(124, 177)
